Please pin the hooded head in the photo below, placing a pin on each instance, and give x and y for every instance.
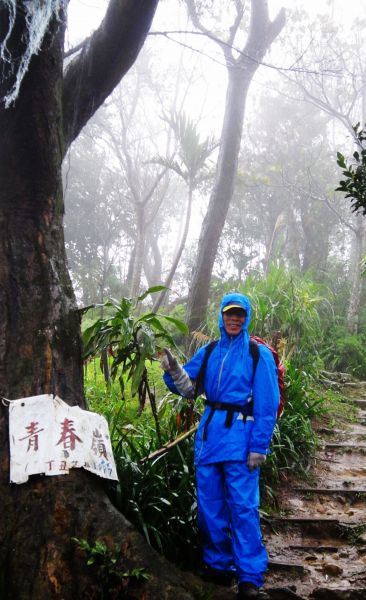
(235, 301)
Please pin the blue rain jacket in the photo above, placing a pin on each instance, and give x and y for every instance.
(229, 378)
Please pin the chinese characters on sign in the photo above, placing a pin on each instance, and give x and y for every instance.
(49, 436)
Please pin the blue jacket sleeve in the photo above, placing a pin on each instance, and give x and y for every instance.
(266, 398)
(192, 368)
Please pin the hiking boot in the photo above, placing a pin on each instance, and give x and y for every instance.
(247, 590)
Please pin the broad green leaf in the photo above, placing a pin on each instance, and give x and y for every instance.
(137, 376)
(179, 324)
(152, 290)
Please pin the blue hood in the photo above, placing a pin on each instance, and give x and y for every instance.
(242, 301)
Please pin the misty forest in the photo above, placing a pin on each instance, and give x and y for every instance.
(155, 156)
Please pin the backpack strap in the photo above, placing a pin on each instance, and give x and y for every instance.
(199, 387)
(254, 352)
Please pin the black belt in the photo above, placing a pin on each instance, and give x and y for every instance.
(246, 411)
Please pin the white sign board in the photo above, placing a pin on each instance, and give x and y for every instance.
(48, 436)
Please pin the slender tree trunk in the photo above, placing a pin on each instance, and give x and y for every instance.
(153, 265)
(316, 244)
(131, 267)
(240, 73)
(273, 246)
(159, 301)
(357, 282)
(221, 196)
(292, 242)
(139, 251)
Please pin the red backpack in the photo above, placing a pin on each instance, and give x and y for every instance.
(253, 348)
(254, 342)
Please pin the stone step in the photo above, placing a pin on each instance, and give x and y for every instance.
(361, 403)
(281, 593)
(345, 447)
(327, 593)
(346, 483)
(315, 548)
(287, 567)
(358, 433)
(327, 431)
(315, 526)
(349, 492)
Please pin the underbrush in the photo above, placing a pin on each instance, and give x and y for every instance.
(347, 353)
(157, 493)
(294, 441)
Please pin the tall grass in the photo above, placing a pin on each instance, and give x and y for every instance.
(158, 495)
(286, 305)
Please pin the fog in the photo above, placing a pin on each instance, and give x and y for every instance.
(143, 173)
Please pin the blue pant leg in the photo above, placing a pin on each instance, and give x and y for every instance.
(250, 556)
(213, 517)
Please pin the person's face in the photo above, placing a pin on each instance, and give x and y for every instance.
(233, 320)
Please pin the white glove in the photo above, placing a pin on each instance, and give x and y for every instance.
(164, 362)
(181, 379)
(255, 460)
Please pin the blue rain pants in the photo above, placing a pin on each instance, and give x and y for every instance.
(228, 519)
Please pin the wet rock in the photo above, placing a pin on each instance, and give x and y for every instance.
(320, 509)
(341, 500)
(310, 558)
(332, 569)
(326, 594)
(283, 593)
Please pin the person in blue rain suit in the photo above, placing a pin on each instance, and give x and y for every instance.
(231, 443)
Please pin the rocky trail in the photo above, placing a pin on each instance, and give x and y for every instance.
(317, 544)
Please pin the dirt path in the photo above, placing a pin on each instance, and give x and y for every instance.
(318, 549)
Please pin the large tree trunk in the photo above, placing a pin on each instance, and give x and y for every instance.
(240, 73)
(40, 352)
(215, 217)
(39, 328)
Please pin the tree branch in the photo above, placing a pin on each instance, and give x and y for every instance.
(262, 32)
(103, 61)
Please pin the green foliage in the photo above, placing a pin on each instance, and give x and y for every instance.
(346, 352)
(158, 495)
(286, 309)
(294, 440)
(107, 567)
(354, 184)
(131, 339)
(192, 153)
